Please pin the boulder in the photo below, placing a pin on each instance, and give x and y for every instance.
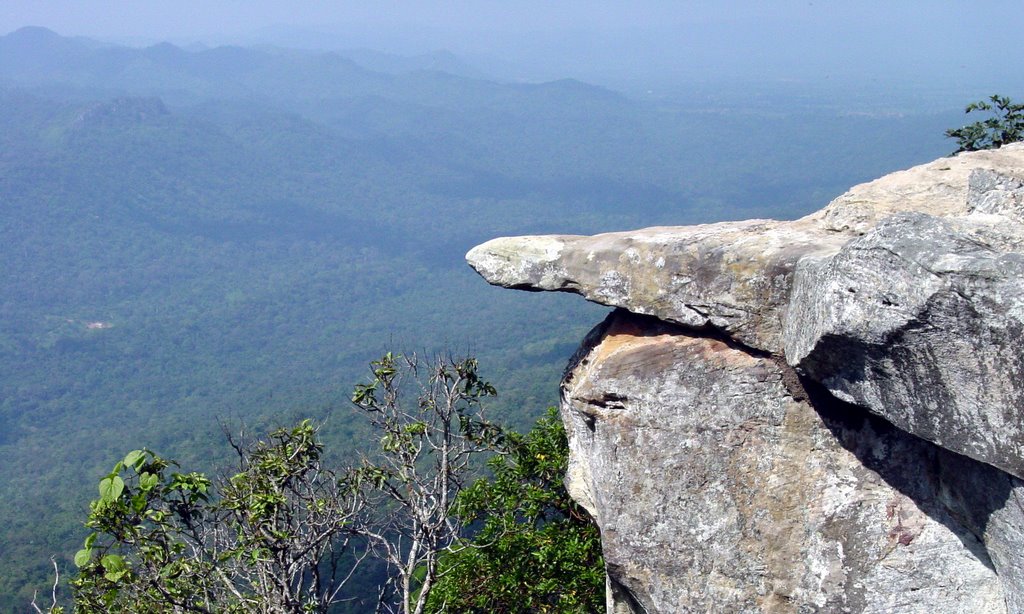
(719, 487)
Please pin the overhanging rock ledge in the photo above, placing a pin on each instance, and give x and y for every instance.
(724, 422)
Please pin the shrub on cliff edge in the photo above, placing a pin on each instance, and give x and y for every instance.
(1005, 126)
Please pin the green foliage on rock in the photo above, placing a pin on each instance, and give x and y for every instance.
(1005, 126)
(536, 550)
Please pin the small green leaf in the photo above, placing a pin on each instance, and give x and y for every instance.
(114, 576)
(83, 556)
(134, 459)
(139, 503)
(114, 566)
(147, 481)
(90, 540)
(111, 488)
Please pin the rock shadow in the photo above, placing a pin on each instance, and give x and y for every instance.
(959, 492)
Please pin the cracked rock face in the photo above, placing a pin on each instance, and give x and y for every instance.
(823, 415)
(922, 321)
(719, 488)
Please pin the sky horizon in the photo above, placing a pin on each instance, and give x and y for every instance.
(958, 45)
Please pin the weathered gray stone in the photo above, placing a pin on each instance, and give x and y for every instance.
(718, 488)
(937, 188)
(734, 276)
(922, 321)
(720, 483)
(989, 503)
(996, 193)
(1004, 538)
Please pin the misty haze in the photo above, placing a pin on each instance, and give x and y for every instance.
(221, 215)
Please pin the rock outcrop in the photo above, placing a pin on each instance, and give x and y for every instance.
(822, 415)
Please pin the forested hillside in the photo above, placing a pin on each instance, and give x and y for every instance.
(232, 234)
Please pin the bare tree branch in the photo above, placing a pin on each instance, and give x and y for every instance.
(53, 592)
(428, 445)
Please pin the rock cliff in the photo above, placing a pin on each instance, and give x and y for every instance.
(820, 415)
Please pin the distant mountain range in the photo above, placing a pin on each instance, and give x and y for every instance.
(35, 56)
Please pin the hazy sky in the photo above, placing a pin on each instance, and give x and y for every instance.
(181, 18)
(931, 40)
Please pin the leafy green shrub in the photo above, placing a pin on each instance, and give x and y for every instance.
(536, 549)
(270, 541)
(1005, 126)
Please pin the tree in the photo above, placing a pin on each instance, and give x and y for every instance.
(536, 550)
(426, 453)
(1005, 126)
(270, 541)
(272, 536)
